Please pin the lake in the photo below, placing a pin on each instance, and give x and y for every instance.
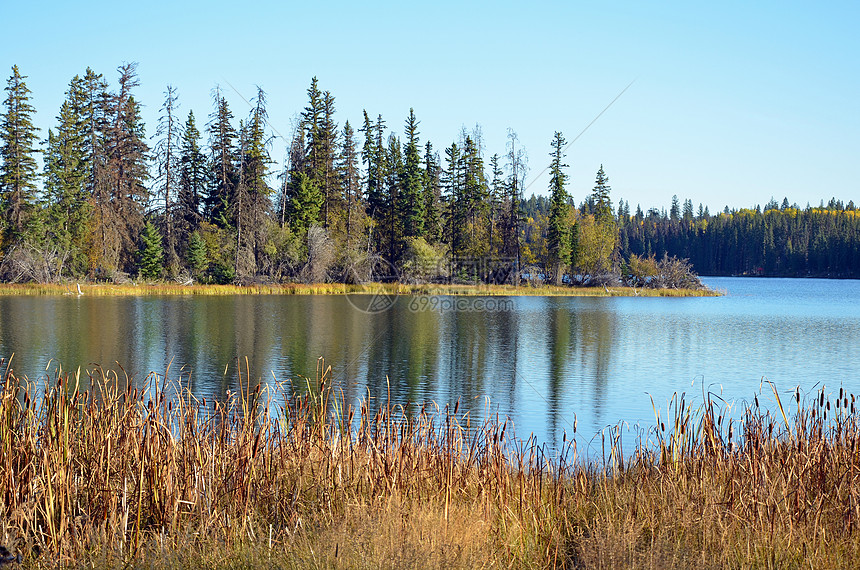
(545, 362)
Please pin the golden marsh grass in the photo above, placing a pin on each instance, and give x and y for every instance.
(96, 472)
(104, 289)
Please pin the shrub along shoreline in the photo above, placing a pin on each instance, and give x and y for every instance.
(99, 473)
(110, 289)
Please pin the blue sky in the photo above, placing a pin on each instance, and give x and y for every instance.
(733, 102)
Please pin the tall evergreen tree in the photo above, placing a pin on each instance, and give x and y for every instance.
(252, 201)
(350, 179)
(18, 154)
(558, 238)
(412, 199)
(193, 175)
(455, 211)
(332, 196)
(368, 157)
(67, 171)
(602, 208)
(432, 193)
(94, 109)
(374, 155)
(675, 210)
(517, 169)
(127, 172)
(222, 163)
(312, 121)
(393, 221)
(497, 189)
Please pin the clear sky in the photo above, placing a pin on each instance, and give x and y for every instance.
(733, 102)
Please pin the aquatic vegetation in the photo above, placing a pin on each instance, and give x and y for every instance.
(99, 470)
(105, 289)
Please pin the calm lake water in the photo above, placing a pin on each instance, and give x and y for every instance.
(542, 361)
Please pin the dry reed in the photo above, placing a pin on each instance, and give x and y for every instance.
(96, 472)
(105, 289)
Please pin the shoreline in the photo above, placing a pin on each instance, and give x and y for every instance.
(168, 289)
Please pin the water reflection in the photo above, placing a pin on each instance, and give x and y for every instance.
(543, 363)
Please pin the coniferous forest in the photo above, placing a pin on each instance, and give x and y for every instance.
(202, 200)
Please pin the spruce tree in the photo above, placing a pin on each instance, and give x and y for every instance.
(193, 175)
(495, 200)
(349, 174)
(196, 254)
(252, 201)
(304, 203)
(412, 199)
(558, 238)
(602, 204)
(455, 211)
(222, 164)
(67, 170)
(123, 194)
(150, 253)
(432, 193)
(18, 150)
(392, 220)
(517, 164)
(368, 157)
(675, 210)
(329, 181)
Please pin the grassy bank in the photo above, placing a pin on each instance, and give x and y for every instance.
(112, 477)
(37, 289)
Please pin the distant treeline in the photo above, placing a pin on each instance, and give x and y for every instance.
(779, 239)
(204, 203)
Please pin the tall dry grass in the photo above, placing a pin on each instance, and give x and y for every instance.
(106, 289)
(98, 473)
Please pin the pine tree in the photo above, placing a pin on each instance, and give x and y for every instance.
(18, 172)
(558, 238)
(150, 253)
